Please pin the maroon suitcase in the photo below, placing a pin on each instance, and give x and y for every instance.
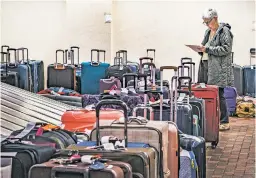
(77, 170)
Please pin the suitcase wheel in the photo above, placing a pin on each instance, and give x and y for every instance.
(214, 144)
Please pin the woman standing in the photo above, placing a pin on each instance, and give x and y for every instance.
(216, 62)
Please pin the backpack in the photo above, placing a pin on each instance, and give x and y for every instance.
(245, 109)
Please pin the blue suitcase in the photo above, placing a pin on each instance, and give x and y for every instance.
(23, 70)
(91, 74)
(249, 76)
(37, 71)
(198, 147)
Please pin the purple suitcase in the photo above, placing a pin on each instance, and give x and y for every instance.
(230, 94)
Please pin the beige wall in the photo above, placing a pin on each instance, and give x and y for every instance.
(168, 25)
(44, 26)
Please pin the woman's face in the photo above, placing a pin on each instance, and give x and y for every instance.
(209, 22)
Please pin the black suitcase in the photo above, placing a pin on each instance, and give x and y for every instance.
(60, 74)
(238, 77)
(197, 145)
(24, 156)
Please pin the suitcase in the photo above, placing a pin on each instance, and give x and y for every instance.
(157, 71)
(11, 78)
(249, 76)
(23, 70)
(188, 165)
(197, 145)
(210, 93)
(50, 169)
(60, 74)
(109, 84)
(230, 94)
(91, 74)
(37, 70)
(24, 156)
(154, 133)
(144, 161)
(238, 79)
(78, 68)
(82, 120)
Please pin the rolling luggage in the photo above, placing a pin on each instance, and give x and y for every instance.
(23, 70)
(51, 169)
(24, 155)
(11, 78)
(60, 74)
(78, 67)
(134, 66)
(109, 84)
(154, 133)
(37, 70)
(91, 74)
(82, 120)
(188, 165)
(230, 94)
(210, 93)
(238, 77)
(197, 146)
(249, 76)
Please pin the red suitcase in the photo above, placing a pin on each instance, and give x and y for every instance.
(212, 111)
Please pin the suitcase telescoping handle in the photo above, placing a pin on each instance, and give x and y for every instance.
(60, 169)
(193, 66)
(154, 51)
(152, 73)
(23, 54)
(135, 77)
(4, 55)
(78, 55)
(181, 68)
(111, 102)
(252, 54)
(4, 46)
(124, 52)
(104, 53)
(66, 56)
(174, 78)
(9, 56)
(98, 56)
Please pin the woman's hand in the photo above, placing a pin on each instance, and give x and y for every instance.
(202, 48)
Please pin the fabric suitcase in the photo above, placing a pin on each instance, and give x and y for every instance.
(144, 161)
(78, 170)
(23, 70)
(154, 133)
(118, 71)
(11, 78)
(109, 84)
(61, 75)
(238, 79)
(188, 165)
(230, 94)
(210, 93)
(91, 73)
(82, 120)
(197, 145)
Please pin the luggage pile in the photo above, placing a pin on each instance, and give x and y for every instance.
(133, 124)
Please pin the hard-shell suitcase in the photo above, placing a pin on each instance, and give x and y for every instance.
(154, 133)
(23, 70)
(83, 119)
(210, 93)
(60, 74)
(197, 145)
(109, 84)
(249, 76)
(144, 161)
(91, 74)
(37, 70)
(230, 94)
(11, 78)
(51, 169)
(238, 79)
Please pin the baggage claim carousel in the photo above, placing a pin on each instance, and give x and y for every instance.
(18, 107)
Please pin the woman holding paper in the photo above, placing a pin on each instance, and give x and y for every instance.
(216, 62)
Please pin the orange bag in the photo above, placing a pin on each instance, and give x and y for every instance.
(82, 120)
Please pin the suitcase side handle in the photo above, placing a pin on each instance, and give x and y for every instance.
(60, 169)
(78, 55)
(111, 102)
